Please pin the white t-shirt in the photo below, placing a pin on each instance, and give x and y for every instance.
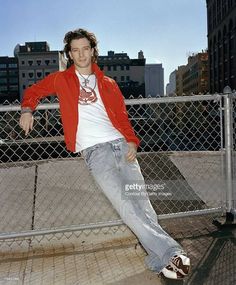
(94, 125)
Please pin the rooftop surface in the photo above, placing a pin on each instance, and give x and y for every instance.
(109, 255)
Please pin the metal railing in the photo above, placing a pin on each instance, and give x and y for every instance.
(187, 147)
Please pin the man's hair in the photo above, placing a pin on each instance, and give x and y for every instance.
(80, 34)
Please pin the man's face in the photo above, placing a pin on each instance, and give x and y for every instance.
(81, 53)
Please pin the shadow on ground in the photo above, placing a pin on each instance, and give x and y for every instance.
(212, 249)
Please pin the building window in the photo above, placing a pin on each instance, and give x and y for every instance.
(122, 78)
(114, 67)
(47, 61)
(22, 62)
(47, 73)
(30, 62)
(39, 74)
(23, 74)
(23, 86)
(230, 3)
(13, 72)
(3, 88)
(12, 65)
(38, 62)
(54, 61)
(13, 80)
(3, 72)
(122, 67)
(3, 80)
(115, 78)
(223, 8)
(13, 87)
(127, 67)
(127, 78)
(31, 74)
(109, 68)
(3, 65)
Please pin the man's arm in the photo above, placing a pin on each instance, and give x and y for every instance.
(133, 141)
(32, 96)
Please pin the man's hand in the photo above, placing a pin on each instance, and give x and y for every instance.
(26, 122)
(132, 151)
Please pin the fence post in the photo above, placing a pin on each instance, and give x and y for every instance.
(228, 132)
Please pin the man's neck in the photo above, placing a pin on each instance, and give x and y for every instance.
(85, 71)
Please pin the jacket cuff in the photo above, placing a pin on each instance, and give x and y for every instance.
(26, 110)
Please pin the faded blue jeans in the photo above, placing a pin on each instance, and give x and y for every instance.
(111, 171)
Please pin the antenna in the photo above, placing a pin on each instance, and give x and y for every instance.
(188, 53)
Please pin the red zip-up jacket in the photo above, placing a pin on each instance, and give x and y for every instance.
(66, 86)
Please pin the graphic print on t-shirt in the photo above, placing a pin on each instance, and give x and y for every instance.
(87, 89)
(87, 95)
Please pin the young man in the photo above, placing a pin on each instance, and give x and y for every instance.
(95, 123)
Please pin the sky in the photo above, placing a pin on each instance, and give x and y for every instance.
(167, 31)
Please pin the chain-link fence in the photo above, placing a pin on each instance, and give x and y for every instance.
(182, 152)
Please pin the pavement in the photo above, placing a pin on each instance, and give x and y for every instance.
(62, 193)
(114, 256)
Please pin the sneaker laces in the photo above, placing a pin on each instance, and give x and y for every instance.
(176, 260)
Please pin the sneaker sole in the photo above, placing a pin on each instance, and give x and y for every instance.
(171, 274)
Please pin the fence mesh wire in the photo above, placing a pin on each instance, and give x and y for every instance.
(44, 186)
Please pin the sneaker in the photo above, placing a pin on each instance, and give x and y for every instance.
(180, 263)
(170, 273)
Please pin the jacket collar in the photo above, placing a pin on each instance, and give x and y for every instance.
(99, 74)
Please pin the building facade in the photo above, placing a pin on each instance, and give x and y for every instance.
(195, 75)
(221, 16)
(179, 80)
(171, 86)
(128, 73)
(154, 80)
(35, 62)
(9, 81)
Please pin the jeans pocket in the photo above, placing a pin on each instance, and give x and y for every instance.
(87, 155)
